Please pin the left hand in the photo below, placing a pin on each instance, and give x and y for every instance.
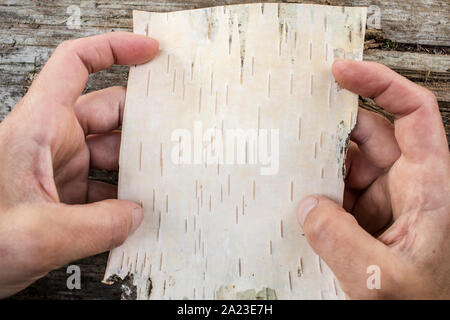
(47, 145)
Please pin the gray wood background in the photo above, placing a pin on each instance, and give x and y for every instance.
(414, 40)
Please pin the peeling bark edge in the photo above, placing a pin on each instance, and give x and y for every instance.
(343, 141)
(128, 286)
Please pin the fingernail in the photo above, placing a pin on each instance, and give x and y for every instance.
(305, 207)
(137, 217)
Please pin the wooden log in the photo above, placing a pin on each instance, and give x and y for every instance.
(407, 21)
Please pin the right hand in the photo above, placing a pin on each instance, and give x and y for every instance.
(397, 203)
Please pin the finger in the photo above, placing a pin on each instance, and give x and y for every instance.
(65, 74)
(418, 125)
(77, 231)
(101, 111)
(365, 195)
(360, 171)
(346, 248)
(375, 137)
(372, 209)
(104, 150)
(350, 197)
(98, 191)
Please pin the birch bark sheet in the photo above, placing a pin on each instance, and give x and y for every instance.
(236, 120)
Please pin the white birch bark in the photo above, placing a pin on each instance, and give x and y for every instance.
(222, 229)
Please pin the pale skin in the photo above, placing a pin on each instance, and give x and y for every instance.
(52, 214)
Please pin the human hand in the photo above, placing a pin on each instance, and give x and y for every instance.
(48, 143)
(397, 189)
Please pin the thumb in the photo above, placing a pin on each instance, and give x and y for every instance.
(348, 250)
(77, 231)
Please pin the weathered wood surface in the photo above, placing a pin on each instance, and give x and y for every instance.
(414, 40)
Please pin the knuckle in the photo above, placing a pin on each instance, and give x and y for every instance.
(325, 226)
(383, 121)
(66, 45)
(119, 93)
(320, 226)
(428, 97)
(120, 89)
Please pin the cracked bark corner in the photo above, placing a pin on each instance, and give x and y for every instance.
(128, 286)
(343, 141)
